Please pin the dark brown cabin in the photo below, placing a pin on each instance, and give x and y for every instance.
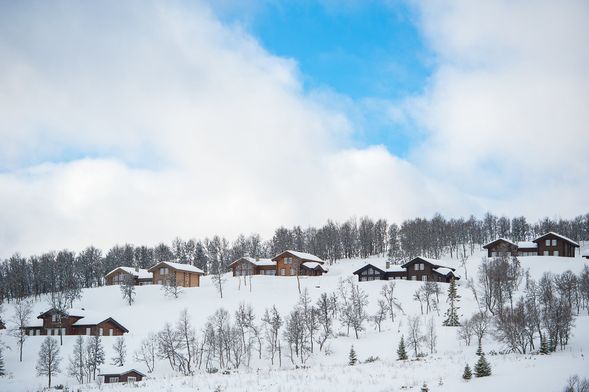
(120, 275)
(245, 266)
(115, 375)
(554, 244)
(500, 247)
(75, 322)
(292, 263)
(419, 268)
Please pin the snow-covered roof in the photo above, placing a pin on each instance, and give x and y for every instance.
(112, 370)
(36, 323)
(139, 272)
(313, 265)
(444, 270)
(179, 267)
(301, 255)
(527, 244)
(256, 261)
(382, 265)
(500, 239)
(556, 235)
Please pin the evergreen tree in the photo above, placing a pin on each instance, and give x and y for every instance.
(401, 352)
(128, 289)
(2, 369)
(452, 312)
(544, 350)
(467, 375)
(352, 359)
(482, 367)
(480, 350)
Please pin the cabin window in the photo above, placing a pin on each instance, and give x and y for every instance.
(100, 331)
(113, 379)
(38, 332)
(31, 332)
(163, 271)
(62, 331)
(88, 331)
(546, 253)
(547, 242)
(287, 260)
(131, 379)
(53, 318)
(555, 253)
(553, 242)
(110, 332)
(424, 278)
(282, 272)
(292, 271)
(414, 277)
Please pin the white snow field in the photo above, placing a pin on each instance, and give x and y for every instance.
(441, 371)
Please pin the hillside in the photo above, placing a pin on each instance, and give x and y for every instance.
(152, 310)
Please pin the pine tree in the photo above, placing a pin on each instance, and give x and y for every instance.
(467, 375)
(401, 352)
(544, 350)
(352, 359)
(482, 367)
(480, 350)
(2, 369)
(452, 312)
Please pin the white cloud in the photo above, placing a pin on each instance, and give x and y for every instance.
(140, 121)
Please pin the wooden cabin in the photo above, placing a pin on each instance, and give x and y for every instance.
(419, 268)
(120, 275)
(549, 244)
(292, 263)
(246, 265)
(186, 275)
(120, 374)
(554, 244)
(501, 246)
(75, 322)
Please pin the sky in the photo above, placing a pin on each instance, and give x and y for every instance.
(141, 121)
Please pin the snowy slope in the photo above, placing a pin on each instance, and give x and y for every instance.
(152, 310)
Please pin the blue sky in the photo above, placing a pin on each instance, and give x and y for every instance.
(367, 51)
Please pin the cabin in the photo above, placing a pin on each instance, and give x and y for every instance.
(74, 322)
(549, 244)
(119, 275)
(554, 244)
(120, 374)
(186, 275)
(246, 265)
(293, 263)
(419, 268)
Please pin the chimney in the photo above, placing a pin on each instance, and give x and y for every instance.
(388, 264)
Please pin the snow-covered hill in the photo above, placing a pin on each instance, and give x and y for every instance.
(441, 371)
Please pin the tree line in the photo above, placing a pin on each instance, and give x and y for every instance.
(63, 270)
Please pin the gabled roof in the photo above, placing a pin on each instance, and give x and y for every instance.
(140, 273)
(313, 265)
(117, 371)
(301, 255)
(255, 261)
(95, 320)
(486, 246)
(73, 312)
(381, 266)
(178, 267)
(557, 235)
(433, 262)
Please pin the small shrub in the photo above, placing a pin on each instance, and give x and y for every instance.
(371, 359)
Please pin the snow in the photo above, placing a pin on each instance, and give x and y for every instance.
(444, 270)
(107, 370)
(139, 273)
(313, 265)
(301, 255)
(181, 267)
(153, 309)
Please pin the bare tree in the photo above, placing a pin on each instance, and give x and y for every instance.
(186, 338)
(49, 359)
(431, 335)
(22, 312)
(272, 323)
(59, 308)
(414, 334)
(324, 319)
(465, 331)
(393, 304)
(94, 356)
(147, 352)
(128, 289)
(381, 314)
(480, 323)
(77, 365)
(120, 351)
(172, 287)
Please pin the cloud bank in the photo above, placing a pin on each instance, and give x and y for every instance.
(140, 121)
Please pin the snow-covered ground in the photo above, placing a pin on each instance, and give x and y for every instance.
(441, 371)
